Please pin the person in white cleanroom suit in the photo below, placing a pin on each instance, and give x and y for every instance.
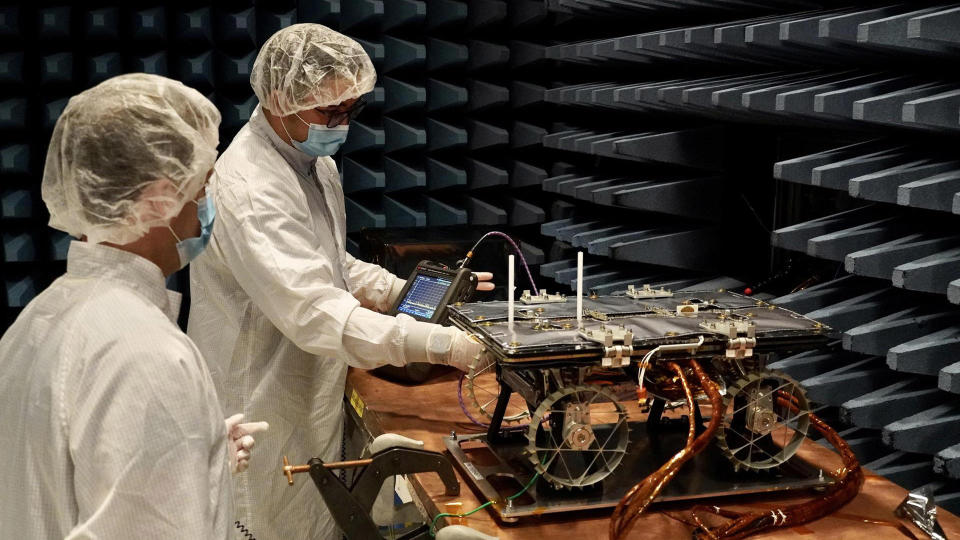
(111, 425)
(279, 308)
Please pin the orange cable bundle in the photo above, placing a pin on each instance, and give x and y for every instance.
(847, 483)
(848, 480)
(636, 501)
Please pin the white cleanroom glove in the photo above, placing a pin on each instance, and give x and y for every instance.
(445, 345)
(240, 440)
(452, 347)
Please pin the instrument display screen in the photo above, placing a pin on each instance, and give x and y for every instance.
(424, 296)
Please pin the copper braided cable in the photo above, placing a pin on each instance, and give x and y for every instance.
(848, 481)
(624, 514)
(640, 496)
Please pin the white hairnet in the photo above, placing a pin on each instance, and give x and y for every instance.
(304, 66)
(126, 155)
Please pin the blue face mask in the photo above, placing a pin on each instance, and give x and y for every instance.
(190, 248)
(321, 140)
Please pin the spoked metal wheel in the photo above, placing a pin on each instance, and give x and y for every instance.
(483, 391)
(757, 432)
(577, 436)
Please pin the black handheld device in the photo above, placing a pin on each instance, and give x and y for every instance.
(430, 288)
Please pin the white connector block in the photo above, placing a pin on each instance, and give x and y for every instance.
(647, 291)
(542, 298)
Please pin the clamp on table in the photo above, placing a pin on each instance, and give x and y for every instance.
(351, 505)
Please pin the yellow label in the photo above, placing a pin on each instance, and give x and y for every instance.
(356, 402)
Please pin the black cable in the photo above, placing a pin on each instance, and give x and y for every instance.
(244, 531)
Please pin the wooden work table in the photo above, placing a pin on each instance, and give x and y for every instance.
(430, 411)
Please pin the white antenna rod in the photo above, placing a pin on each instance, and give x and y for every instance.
(579, 289)
(510, 289)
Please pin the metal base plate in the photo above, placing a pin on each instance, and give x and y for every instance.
(501, 470)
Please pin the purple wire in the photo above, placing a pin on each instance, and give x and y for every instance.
(463, 407)
(515, 248)
(523, 260)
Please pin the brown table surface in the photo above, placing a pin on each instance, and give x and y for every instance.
(430, 411)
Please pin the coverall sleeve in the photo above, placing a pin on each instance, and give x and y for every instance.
(266, 242)
(374, 286)
(141, 441)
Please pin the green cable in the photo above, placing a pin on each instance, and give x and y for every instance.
(525, 488)
(433, 525)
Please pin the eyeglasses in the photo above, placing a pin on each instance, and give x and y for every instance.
(343, 116)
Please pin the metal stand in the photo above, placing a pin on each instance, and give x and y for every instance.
(656, 422)
(494, 434)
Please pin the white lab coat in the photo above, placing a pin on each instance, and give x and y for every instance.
(110, 423)
(276, 311)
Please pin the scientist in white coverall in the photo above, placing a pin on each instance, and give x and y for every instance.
(111, 425)
(279, 308)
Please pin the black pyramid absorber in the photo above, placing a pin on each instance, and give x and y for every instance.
(403, 54)
(401, 96)
(398, 214)
(357, 14)
(363, 137)
(444, 96)
(403, 13)
(441, 136)
(486, 55)
(441, 175)
(483, 135)
(443, 54)
(403, 136)
(401, 176)
(444, 14)
(483, 14)
(359, 177)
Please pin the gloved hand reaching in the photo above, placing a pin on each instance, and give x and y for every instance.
(452, 347)
(240, 441)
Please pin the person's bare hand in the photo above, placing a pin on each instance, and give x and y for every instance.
(484, 281)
